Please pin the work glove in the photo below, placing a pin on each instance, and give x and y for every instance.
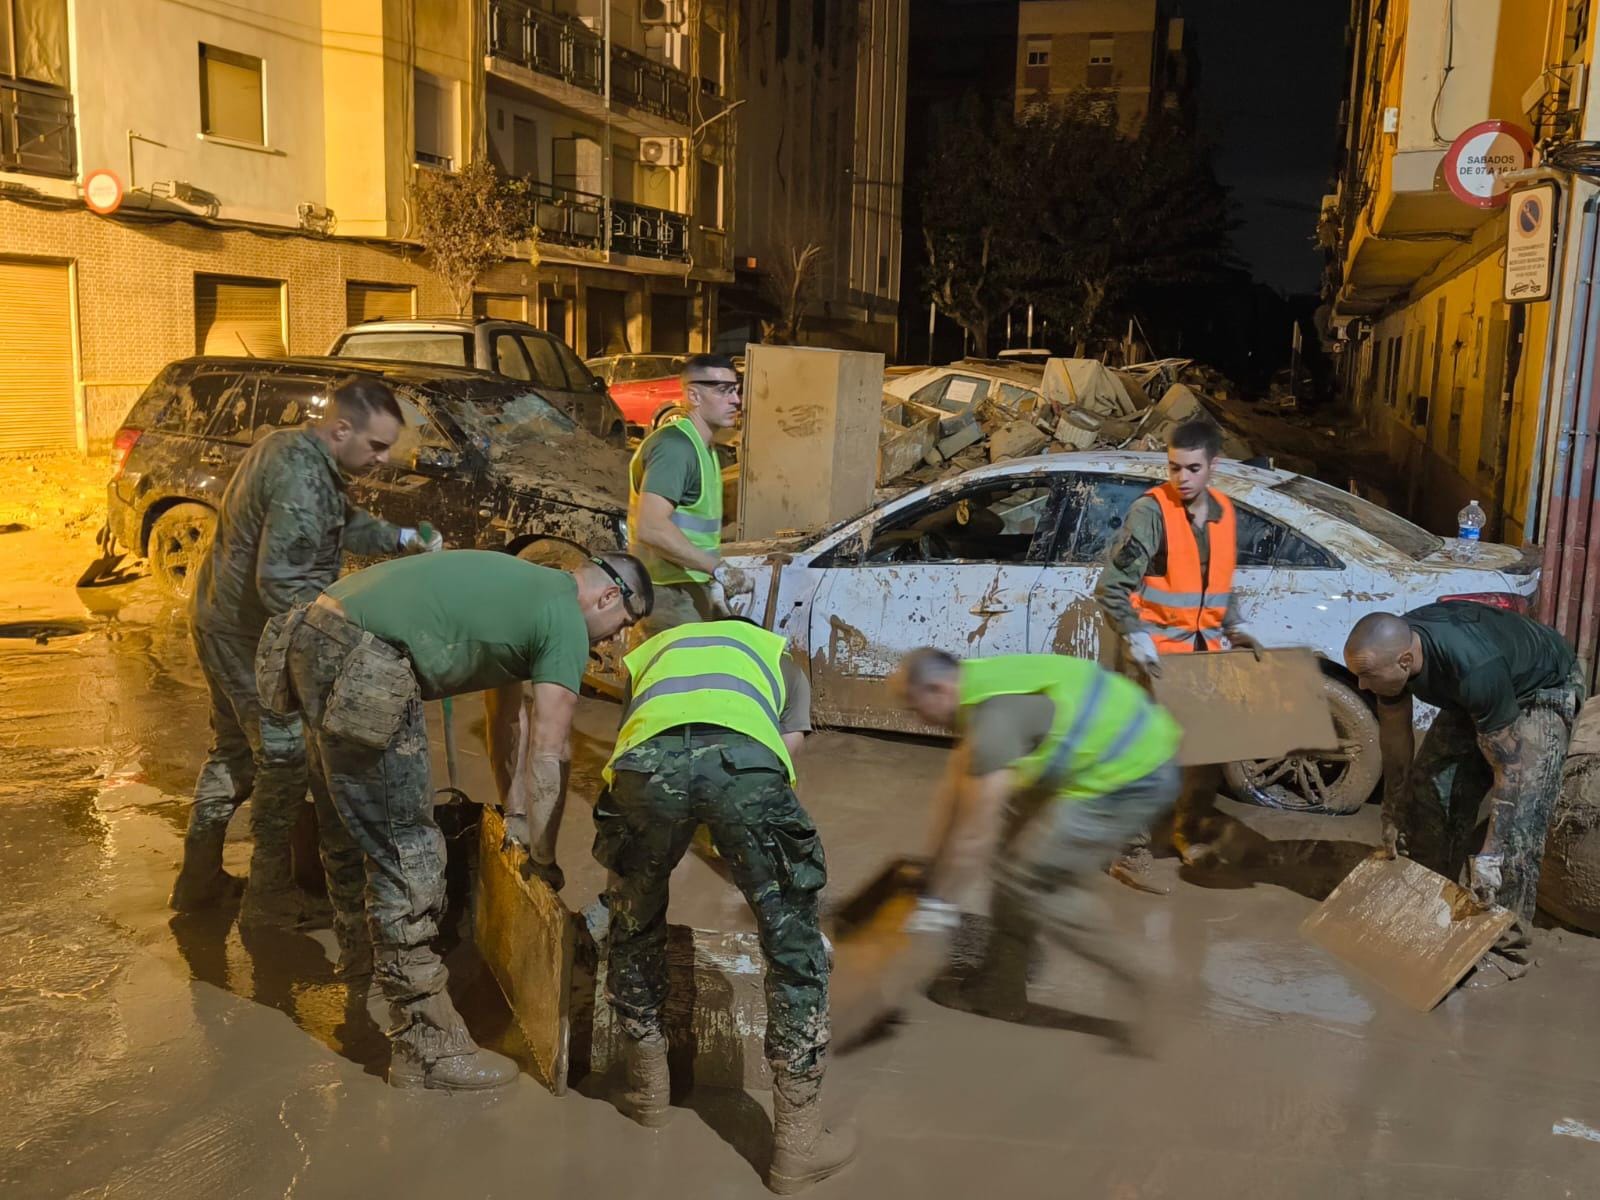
(933, 916)
(1390, 833)
(732, 580)
(1239, 638)
(1484, 877)
(1142, 649)
(421, 541)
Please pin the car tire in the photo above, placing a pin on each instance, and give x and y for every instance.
(665, 413)
(179, 540)
(1335, 784)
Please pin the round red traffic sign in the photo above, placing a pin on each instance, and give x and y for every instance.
(102, 191)
(1480, 156)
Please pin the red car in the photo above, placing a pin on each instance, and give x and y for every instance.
(642, 385)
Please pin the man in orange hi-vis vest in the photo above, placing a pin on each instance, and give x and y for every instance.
(1167, 588)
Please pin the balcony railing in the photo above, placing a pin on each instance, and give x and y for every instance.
(568, 217)
(565, 48)
(36, 129)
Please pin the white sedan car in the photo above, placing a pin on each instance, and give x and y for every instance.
(1004, 559)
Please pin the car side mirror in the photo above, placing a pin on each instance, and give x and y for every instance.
(436, 460)
(597, 384)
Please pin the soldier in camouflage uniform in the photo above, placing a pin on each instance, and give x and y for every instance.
(284, 521)
(360, 662)
(712, 713)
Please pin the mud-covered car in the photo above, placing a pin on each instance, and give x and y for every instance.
(487, 461)
(1004, 559)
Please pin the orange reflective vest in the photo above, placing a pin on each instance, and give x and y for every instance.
(1176, 606)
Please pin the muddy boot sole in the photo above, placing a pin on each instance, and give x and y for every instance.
(787, 1183)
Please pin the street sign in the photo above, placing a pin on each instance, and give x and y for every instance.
(1479, 156)
(1530, 243)
(102, 192)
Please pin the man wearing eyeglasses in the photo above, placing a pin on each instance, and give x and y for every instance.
(675, 501)
(360, 661)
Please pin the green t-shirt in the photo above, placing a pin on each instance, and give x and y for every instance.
(1004, 730)
(671, 467)
(1485, 661)
(472, 619)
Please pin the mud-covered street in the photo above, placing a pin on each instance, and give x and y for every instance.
(142, 1055)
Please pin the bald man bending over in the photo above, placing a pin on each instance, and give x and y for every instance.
(1507, 689)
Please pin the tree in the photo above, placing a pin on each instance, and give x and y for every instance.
(468, 221)
(790, 287)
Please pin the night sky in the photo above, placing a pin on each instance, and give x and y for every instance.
(1271, 79)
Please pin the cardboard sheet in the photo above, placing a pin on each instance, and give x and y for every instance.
(1233, 706)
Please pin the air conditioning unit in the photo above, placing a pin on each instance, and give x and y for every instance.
(661, 12)
(661, 151)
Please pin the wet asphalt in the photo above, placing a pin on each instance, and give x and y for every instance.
(147, 1055)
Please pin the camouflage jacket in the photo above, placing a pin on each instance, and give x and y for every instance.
(285, 519)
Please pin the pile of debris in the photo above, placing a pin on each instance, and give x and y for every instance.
(1080, 404)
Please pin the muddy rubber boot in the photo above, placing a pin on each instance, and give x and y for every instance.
(648, 1094)
(201, 882)
(477, 1070)
(804, 1151)
(272, 898)
(1192, 848)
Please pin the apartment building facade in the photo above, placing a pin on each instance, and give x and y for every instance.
(235, 177)
(1135, 55)
(1454, 378)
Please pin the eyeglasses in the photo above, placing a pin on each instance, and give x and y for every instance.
(627, 592)
(726, 387)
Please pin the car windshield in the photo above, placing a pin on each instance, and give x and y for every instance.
(632, 370)
(1389, 529)
(409, 345)
(498, 417)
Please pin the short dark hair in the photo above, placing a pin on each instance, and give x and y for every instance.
(707, 362)
(927, 665)
(1198, 434)
(360, 397)
(637, 578)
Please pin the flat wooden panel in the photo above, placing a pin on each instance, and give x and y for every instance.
(811, 426)
(1407, 928)
(1233, 706)
(376, 301)
(37, 410)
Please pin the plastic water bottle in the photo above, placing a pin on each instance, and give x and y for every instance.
(1471, 520)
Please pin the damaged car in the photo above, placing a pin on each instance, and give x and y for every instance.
(487, 461)
(1004, 559)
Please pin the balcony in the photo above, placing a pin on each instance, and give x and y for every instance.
(567, 52)
(567, 217)
(36, 133)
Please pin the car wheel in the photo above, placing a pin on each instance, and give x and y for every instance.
(179, 539)
(1336, 782)
(667, 412)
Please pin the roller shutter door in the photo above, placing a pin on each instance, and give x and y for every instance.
(499, 308)
(38, 408)
(377, 302)
(238, 316)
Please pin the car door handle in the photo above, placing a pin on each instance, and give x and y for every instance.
(988, 610)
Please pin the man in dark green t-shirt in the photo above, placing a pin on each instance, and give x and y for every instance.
(1507, 689)
(360, 661)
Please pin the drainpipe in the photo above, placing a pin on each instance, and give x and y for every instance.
(1578, 476)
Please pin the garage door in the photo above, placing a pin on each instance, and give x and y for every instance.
(499, 308)
(38, 409)
(377, 302)
(238, 316)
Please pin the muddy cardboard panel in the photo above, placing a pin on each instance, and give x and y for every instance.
(1405, 927)
(811, 427)
(1234, 706)
(1569, 883)
(525, 935)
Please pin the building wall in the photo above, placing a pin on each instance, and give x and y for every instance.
(1068, 27)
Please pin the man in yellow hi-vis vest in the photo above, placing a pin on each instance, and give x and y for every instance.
(1059, 762)
(711, 715)
(675, 501)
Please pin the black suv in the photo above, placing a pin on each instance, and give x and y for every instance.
(488, 461)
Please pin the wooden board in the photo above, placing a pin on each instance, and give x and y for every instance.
(878, 963)
(525, 934)
(1234, 706)
(1407, 928)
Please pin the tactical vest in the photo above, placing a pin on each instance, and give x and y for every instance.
(1106, 732)
(1174, 607)
(725, 673)
(700, 522)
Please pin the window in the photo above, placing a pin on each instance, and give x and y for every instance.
(547, 368)
(579, 377)
(1382, 524)
(819, 23)
(524, 147)
(710, 60)
(1038, 50)
(34, 42)
(953, 393)
(229, 398)
(418, 435)
(994, 521)
(1101, 46)
(231, 96)
(783, 22)
(400, 345)
(509, 360)
(281, 403)
(708, 195)
(434, 116)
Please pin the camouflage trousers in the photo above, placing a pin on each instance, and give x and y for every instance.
(1450, 779)
(253, 755)
(663, 790)
(381, 848)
